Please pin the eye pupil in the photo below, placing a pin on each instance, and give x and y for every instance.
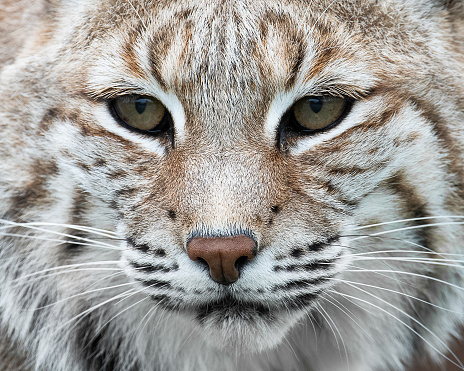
(316, 104)
(140, 105)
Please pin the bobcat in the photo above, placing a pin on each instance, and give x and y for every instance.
(231, 185)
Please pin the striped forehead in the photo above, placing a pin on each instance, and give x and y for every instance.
(233, 55)
(230, 41)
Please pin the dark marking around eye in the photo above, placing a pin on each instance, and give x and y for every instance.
(172, 214)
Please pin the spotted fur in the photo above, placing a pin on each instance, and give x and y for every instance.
(359, 228)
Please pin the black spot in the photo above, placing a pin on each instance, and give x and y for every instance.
(172, 214)
(296, 253)
(160, 252)
(100, 162)
(275, 209)
(143, 247)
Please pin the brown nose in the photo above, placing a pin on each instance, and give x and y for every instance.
(224, 255)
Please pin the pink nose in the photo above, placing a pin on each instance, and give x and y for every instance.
(224, 255)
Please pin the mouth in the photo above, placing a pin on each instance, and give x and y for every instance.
(230, 309)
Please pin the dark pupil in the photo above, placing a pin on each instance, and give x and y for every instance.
(316, 104)
(140, 105)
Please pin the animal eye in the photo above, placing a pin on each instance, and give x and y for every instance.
(140, 112)
(318, 113)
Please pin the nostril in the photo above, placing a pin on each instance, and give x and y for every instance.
(202, 262)
(240, 263)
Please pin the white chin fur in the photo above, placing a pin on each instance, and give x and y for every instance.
(248, 336)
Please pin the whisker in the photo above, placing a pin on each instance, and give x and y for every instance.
(429, 261)
(341, 307)
(408, 220)
(406, 229)
(89, 310)
(82, 228)
(320, 309)
(67, 235)
(52, 269)
(62, 242)
(396, 292)
(405, 273)
(402, 252)
(84, 293)
(460, 365)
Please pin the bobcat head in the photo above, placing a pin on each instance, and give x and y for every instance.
(192, 185)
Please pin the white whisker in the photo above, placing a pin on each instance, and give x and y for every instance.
(409, 327)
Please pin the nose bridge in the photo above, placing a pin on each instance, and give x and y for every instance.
(228, 184)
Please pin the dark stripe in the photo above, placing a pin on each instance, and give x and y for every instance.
(301, 284)
(149, 268)
(156, 284)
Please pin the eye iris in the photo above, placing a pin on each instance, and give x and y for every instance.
(318, 113)
(316, 104)
(140, 112)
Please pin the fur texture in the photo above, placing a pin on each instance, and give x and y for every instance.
(359, 228)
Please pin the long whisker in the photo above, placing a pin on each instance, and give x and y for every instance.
(329, 321)
(405, 273)
(341, 307)
(396, 292)
(90, 310)
(402, 252)
(52, 269)
(429, 261)
(409, 220)
(406, 229)
(82, 228)
(409, 327)
(67, 235)
(83, 294)
(96, 244)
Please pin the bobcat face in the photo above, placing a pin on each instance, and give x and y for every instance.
(256, 167)
(227, 162)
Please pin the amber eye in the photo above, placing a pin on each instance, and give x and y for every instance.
(139, 111)
(317, 113)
